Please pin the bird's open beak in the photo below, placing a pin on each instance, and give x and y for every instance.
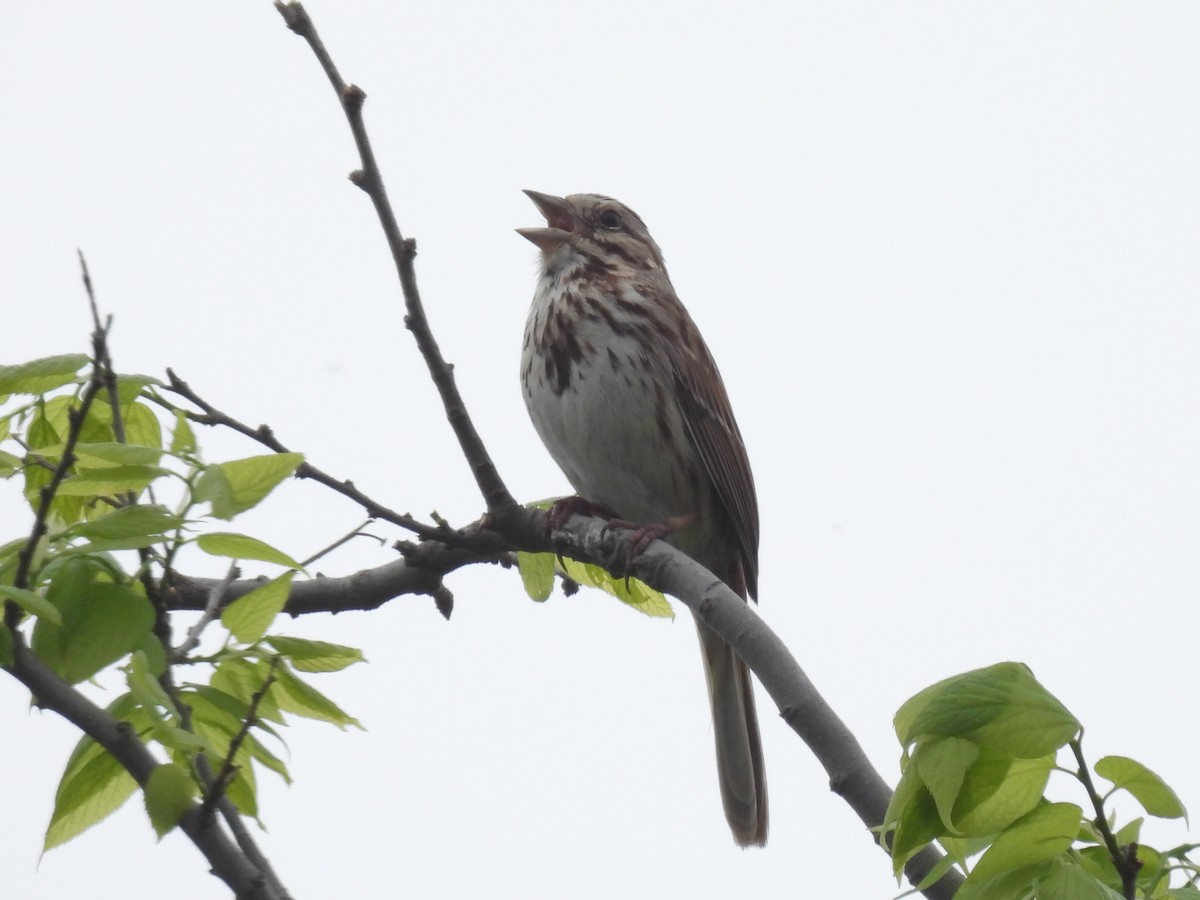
(560, 221)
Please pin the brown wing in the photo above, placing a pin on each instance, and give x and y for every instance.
(708, 417)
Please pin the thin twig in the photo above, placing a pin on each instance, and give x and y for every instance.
(404, 251)
(229, 767)
(1124, 859)
(215, 595)
(75, 418)
(265, 435)
(357, 531)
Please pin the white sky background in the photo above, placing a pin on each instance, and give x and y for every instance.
(945, 254)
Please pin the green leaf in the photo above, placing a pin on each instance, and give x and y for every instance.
(1038, 836)
(1068, 881)
(242, 546)
(141, 425)
(41, 375)
(942, 764)
(242, 680)
(101, 621)
(96, 789)
(262, 755)
(32, 603)
(147, 689)
(9, 464)
(301, 698)
(314, 656)
(6, 647)
(1001, 707)
(176, 738)
(129, 521)
(537, 574)
(183, 439)
(912, 818)
(111, 480)
(236, 486)
(129, 387)
(1151, 791)
(1013, 884)
(93, 784)
(169, 793)
(249, 616)
(998, 790)
(110, 453)
(629, 591)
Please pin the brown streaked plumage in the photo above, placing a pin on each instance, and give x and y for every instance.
(628, 400)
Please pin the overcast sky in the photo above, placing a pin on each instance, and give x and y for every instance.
(944, 253)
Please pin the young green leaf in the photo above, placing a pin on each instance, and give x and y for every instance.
(93, 784)
(141, 425)
(537, 574)
(129, 521)
(942, 765)
(629, 591)
(998, 790)
(183, 440)
(33, 603)
(236, 486)
(110, 480)
(249, 616)
(301, 698)
(147, 690)
(101, 621)
(96, 788)
(242, 679)
(1002, 707)
(314, 656)
(1069, 881)
(169, 793)
(111, 453)
(242, 546)
(1152, 792)
(1038, 836)
(41, 375)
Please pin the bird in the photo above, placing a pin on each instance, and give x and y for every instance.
(627, 399)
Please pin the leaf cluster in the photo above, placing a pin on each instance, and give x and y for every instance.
(979, 750)
(89, 585)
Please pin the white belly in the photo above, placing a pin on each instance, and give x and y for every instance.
(614, 428)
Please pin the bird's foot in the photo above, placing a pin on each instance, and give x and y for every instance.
(564, 507)
(645, 533)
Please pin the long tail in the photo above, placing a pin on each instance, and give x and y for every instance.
(739, 749)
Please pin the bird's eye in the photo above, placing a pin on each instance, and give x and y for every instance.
(610, 220)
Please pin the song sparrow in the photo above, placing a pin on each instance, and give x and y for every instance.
(626, 397)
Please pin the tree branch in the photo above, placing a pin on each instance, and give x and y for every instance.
(118, 738)
(404, 251)
(265, 435)
(851, 774)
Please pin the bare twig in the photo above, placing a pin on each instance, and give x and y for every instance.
(404, 251)
(264, 435)
(229, 767)
(211, 606)
(1124, 859)
(75, 419)
(103, 358)
(349, 536)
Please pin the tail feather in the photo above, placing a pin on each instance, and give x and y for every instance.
(739, 748)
